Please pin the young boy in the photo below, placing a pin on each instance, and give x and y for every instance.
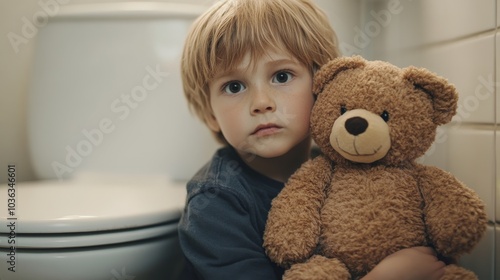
(247, 71)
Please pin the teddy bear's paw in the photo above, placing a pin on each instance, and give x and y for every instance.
(454, 272)
(284, 257)
(318, 268)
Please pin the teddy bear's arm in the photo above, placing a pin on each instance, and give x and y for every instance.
(293, 225)
(453, 213)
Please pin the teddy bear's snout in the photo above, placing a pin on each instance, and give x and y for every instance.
(356, 125)
(360, 136)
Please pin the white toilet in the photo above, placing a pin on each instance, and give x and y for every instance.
(112, 143)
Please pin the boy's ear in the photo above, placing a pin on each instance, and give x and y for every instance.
(328, 71)
(212, 122)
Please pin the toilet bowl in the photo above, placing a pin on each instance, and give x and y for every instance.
(112, 143)
(93, 228)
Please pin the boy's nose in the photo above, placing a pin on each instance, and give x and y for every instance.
(262, 103)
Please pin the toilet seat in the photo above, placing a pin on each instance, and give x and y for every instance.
(65, 241)
(94, 210)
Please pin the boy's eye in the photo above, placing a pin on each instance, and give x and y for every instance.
(282, 77)
(233, 87)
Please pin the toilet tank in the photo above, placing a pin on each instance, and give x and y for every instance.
(106, 94)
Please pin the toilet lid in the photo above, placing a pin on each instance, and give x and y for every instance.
(93, 204)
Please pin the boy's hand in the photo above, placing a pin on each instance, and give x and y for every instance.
(417, 263)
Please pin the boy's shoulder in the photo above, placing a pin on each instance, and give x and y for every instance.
(227, 172)
(225, 161)
(222, 171)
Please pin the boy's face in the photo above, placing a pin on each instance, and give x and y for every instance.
(263, 105)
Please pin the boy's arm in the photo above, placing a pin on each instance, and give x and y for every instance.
(417, 263)
(218, 239)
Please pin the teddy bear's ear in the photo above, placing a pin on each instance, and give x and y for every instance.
(328, 71)
(444, 95)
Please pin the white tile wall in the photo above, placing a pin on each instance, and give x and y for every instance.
(497, 147)
(497, 163)
(469, 65)
(437, 154)
(497, 175)
(498, 13)
(344, 16)
(497, 252)
(497, 63)
(480, 260)
(470, 159)
(452, 19)
(426, 22)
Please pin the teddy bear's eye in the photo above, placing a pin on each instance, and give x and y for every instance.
(385, 116)
(342, 109)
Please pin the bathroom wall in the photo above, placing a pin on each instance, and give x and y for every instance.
(457, 39)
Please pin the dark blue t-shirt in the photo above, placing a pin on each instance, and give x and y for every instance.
(221, 229)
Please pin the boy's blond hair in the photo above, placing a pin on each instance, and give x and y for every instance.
(221, 37)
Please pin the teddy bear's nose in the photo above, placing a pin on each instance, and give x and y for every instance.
(356, 125)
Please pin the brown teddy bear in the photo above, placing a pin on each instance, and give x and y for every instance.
(365, 197)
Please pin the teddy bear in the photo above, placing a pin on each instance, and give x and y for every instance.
(366, 196)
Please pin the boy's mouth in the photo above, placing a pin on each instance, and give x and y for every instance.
(266, 129)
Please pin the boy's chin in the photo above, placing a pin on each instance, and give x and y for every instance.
(270, 151)
(274, 147)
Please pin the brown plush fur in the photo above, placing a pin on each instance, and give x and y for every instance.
(337, 218)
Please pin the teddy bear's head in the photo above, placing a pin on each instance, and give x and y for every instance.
(375, 112)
